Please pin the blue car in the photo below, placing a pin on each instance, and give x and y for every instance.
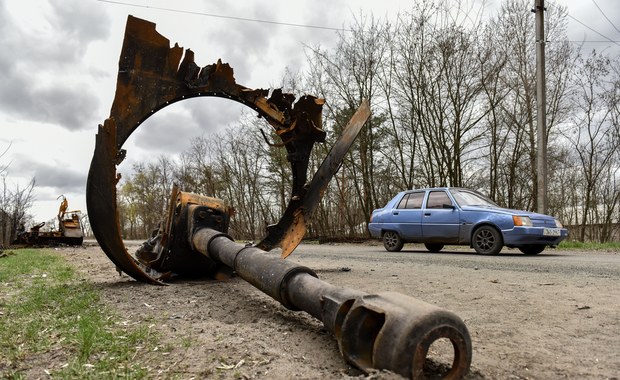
(457, 216)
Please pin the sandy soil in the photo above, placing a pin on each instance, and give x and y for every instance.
(553, 316)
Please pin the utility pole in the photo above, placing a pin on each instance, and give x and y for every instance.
(541, 109)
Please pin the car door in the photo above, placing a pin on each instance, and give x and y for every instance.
(440, 219)
(407, 215)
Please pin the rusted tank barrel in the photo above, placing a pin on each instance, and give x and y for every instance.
(381, 331)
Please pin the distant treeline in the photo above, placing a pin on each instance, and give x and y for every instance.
(453, 99)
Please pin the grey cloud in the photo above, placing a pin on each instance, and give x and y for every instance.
(171, 130)
(80, 20)
(266, 45)
(70, 107)
(242, 47)
(214, 114)
(167, 132)
(72, 25)
(60, 179)
(244, 44)
(32, 58)
(55, 176)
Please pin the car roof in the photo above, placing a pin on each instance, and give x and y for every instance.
(440, 188)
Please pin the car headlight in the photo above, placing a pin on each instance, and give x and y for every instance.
(524, 221)
(558, 224)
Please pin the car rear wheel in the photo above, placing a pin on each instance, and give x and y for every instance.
(392, 241)
(433, 247)
(533, 249)
(487, 240)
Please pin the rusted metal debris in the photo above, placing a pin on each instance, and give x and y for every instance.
(384, 331)
(152, 76)
(70, 231)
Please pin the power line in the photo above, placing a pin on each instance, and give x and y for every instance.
(592, 42)
(606, 18)
(607, 39)
(224, 17)
(595, 31)
(600, 34)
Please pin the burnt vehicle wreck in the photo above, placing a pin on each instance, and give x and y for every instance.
(374, 331)
(69, 232)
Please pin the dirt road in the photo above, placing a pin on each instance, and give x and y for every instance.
(551, 316)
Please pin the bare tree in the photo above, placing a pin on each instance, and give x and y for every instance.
(144, 196)
(513, 134)
(439, 87)
(595, 135)
(345, 77)
(20, 202)
(14, 205)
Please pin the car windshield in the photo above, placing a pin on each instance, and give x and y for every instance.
(469, 198)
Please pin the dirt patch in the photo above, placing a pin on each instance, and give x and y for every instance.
(527, 320)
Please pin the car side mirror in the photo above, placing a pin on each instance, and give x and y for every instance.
(448, 206)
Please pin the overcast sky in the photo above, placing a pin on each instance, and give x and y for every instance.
(59, 63)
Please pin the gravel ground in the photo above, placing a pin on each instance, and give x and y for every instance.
(551, 316)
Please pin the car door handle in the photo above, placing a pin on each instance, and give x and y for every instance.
(427, 214)
(395, 213)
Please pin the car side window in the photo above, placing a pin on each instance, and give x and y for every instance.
(403, 202)
(415, 200)
(436, 199)
(411, 201)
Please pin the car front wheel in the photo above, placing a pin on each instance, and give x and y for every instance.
(487, 240)
(392, 241)
(433, 247)
(533, 249)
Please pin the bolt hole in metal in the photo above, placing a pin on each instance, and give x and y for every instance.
(439, 359)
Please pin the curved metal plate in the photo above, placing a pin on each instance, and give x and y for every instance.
(152, 76)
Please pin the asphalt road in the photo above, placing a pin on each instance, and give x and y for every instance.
(606, 265)
(549, 316)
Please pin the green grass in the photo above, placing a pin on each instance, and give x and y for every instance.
(590, 246)
(51, 317)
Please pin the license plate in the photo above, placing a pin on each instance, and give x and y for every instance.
(552, 232)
